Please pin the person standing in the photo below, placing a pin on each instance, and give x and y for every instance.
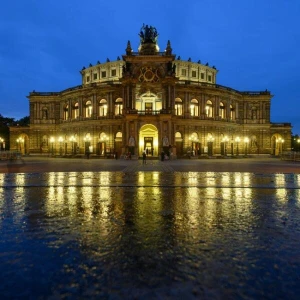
(144, 157)
(162, 155)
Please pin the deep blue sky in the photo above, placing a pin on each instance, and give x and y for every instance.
(254, 44)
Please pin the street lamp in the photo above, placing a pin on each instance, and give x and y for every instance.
(19, 141)
(72, 140)
(237, 140)
(52, 142)
(60, 139)
(2, 144)
(246, 141)
(280, 142)
(225, 140)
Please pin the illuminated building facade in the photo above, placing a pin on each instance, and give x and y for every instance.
(151, 100)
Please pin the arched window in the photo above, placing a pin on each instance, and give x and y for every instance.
(178, 137)
(209, 109)
(66, 112)
(103, 137)
(88, 109)
(75, 110)
(118, 106)
(194, 108)
(118, 136)
(102, 108)
(232, 113)
(222, 110)
(178, 107)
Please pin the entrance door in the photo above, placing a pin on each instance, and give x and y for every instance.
(148, 138)
(148, 107)
(179, 149)
(118, 148)
(148, 142)
(101, 148)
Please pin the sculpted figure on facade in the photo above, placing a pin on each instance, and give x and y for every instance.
(131, 142)
(165, 141)
(148, 34)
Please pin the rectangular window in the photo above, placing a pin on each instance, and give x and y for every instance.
(194, 74)
(95, 76)
(209, 77)
(202, 75)
(114, 72)
(103, 74)
(183, 72)
(87, 78)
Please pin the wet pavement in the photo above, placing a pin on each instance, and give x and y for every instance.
(185, 229)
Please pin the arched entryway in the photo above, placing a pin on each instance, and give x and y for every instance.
(277, 144)
(179, 144)
(118, 143)
(22, 144)
(148, 140)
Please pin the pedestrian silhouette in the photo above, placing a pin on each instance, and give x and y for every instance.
(144, 157)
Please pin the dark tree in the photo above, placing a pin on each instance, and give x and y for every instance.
(4, 129)
(25, 121)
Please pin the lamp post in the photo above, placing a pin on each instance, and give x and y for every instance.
(246, 141)
(60, 139)
(280, 142)
(2, 143)
(72, 140)
(298, 142)
(52, 142)
(20, 140)
(237, 140)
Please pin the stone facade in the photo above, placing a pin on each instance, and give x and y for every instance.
(151, 100)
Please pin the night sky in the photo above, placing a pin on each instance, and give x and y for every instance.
(254, 44)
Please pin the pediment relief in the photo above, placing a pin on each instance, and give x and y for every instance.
(148, 73)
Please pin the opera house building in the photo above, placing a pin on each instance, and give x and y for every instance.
(150, 99)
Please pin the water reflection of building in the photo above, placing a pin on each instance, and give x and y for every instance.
(154, 100)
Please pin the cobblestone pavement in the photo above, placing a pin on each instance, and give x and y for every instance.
(117, 229)
(48, 164)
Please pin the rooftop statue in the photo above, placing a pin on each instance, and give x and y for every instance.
(148, 34)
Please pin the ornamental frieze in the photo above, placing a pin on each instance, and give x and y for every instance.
(149, 74)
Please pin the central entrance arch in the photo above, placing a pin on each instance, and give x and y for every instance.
(148, 140)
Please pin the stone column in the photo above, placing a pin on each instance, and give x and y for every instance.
(187, 112)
